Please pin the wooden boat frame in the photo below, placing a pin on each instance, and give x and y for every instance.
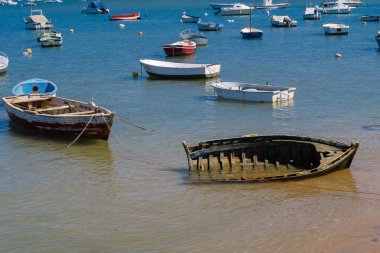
(266, 158)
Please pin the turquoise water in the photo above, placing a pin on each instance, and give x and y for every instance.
(131, 194)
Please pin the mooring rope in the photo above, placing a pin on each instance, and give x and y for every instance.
(80, 134)
(135, 125)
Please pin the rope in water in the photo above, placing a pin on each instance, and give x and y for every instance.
(80, 134)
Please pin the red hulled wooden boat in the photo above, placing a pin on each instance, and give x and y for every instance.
(132, 16)
(183, 47)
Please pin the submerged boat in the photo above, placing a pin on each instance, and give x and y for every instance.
(282, 21)
(120, 17)
(255, 158)
(165, 69)
(335, 29)
(252, 92)
(45, 34)
(377, 38)
(35, 86)
(95, 7)
(4, 61)
(268, 5)
(60, 116)
(199, 38)
(369, 18)
(183, 47)
(311, 13)
(36, 20)
(51, 41)
(209, 26)
(189, 19)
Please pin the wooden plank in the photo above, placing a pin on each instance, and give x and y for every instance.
(79, 113)
(62, 107)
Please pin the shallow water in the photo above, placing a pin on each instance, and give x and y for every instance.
(132, 194)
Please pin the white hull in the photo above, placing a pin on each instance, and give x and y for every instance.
(283, 21)
(180, 70)
(217, 6)
(252, 92)
(4, 61)
(236, 10)
(335, 29)
(377, 38)
(311, 13)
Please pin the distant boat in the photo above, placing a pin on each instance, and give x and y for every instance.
(253, 92)
(51, 41)
(377, 38)
(37, 21)
(132, 16)
(189, 19)
(35, 86)
(199, 38)
(30, 3)
(53, 1)
(183, 47)
(255, 158)
(335, 29)
(209, 26)
(48, 33)
(165, 69)
(8, 2)
(337, 8)
(218, 6)
(369, 18)
(282, 21)
(311, 13)
(4, 61)
(95, 7)
(249, 32)
(350, 3)
(235, 10)
(267, 4)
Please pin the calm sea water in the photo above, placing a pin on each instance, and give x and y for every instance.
(132, 194)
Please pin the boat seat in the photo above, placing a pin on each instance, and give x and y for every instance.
(80, 113)
(53, 108)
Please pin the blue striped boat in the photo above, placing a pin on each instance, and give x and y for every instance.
(35, 86)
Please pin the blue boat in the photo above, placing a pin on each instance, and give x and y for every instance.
(209, 26)
(249, 32)
(35, 86)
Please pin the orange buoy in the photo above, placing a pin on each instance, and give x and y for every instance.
(140, 33)
(337, 55)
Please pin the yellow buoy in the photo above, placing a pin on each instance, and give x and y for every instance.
(364, 23)
(140, 33)
(71, 30)
(121, 26)
(29, 51)
(337, 55)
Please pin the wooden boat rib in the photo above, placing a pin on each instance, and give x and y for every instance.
(266, 158)
(60, 116)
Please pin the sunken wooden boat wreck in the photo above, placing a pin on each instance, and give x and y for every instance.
(60, 116)
(266, 158)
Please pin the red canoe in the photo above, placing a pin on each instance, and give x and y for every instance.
(183, 47)
(132, 16)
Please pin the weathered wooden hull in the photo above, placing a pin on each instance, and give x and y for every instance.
(266, 158)
(94, 126)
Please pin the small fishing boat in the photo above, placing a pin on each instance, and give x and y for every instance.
(183, 47)
(255, 158)
(268, 5)
(95, 7)
(311, 13)
(235, 10)
(209, 26)
(282, 21)
(51, 41)
(120, 17)
(335, 29)
(377, 38)
(369, 18)
(253, 92)
(36, 20)
(35, 86)
(249, 32)
(61, 116)
(4, 61)
(189, 19)
(218, 6)
(337, 8)
(199, 38)
(46, 34)
(165, 69)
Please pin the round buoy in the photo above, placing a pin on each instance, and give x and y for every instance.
(364, 23)
(135, 74)
(71, 30)
(140, 33)
(122, 26)
(230, 20)
(206, 14)
(337, 55)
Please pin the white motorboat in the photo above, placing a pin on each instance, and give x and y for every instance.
(337, 8)
(8, 2)
(95, 7)
(350, 3)
(189, 18)
(218, 6)
(237, 9)
(335, 29)
(282, 21)
(377, 38)
(4, 61)
(167, 69)
(37, 21)
(252, 92)
(199, 38)
(268, 5)
(311, 13)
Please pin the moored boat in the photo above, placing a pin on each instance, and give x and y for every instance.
(51, 41)
(268, 5)
(255, 158)
(209, 26)
(249, 32)
(218, 6)
(46, 34)
(36, 20)
(369, 18)
(235, 10)
(335, 29)
(337, 8)
(35, 86)
(120, 17)
(282, 21)
(4, 61)
(350, 3)
(377, 38)
(189, 19)
(253, 92)
(183, 47)
(95, 7)
(199, 38)
(165, 69)
(311, 13)
(61, 116)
